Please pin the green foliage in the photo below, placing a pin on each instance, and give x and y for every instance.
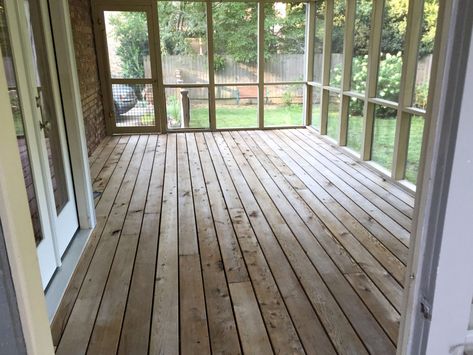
(421, 95)
(284, 29)
(131, 32)
(338, 26)
(219, 62)
(429, 26)
(172, 106)
(180, 21)
(389, 77)
(235, 31)
(287, 98)
(361, 34)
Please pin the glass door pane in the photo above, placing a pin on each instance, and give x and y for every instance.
(19, 125)
(45, 101)
(130, 68)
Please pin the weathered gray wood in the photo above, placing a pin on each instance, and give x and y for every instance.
(353, 307)
(231, 242)
(332, 317)
(377, 303)
(102, 211)
(192, 310)
(80, 324)
(222, 326)
(165, 319)
(108, 324)
(273, 309)
(137, 320)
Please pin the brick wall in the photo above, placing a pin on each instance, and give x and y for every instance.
(86, 58)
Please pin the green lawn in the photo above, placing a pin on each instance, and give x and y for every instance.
(246, 116)
(383, 143)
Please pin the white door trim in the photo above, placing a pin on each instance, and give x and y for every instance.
(14, 209)
(69, 84)
(26, 92)
(19, 236)
(438, 287)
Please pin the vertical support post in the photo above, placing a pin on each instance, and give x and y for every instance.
(185, 108)
(325, 94)
(408, 77)
(261, 64)
(373, 64)
(158, 84)
(309, 72)
(346, 69)
(210, 54)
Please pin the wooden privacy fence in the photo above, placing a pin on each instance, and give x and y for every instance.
(194, 69)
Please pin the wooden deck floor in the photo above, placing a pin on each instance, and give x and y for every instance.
(253, 242)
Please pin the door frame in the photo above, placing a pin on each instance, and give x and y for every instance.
(61, 57)
(14, 210)
(100, 35)
(19, 236)
(438, 288)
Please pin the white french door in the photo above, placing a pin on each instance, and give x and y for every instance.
(29, 60)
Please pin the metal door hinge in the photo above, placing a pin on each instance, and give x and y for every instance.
(426, 308)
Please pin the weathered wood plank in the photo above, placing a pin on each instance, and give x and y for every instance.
(79, 327)
(99, 162)
(188, 244)
(221, 321)
(103, 178)
(98, 150)
(389, 217)
(254, 242)
(102, 211)
(165, 320)
(347, 165)
(194, 334)
(359, 166)
(328, 256)
(254, 338)
(328, 209)
(137, 322)
(108, 324)
(273, 308)
(333, 319)
(192, 311)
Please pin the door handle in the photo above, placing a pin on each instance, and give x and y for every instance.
(43, 124)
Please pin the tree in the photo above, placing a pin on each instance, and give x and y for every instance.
(131, 32)
(236, 31)
(284, 29)
(178, 22)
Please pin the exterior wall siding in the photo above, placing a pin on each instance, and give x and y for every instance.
(87, 67)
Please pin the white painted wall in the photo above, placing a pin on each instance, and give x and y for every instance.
(454, 283)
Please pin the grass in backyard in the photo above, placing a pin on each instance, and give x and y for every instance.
(246, 116)
(383, 143)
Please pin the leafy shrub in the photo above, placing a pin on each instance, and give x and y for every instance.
(173, 107)
(219, 62)
(421, 94)
(388, 81)
(287, 98)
